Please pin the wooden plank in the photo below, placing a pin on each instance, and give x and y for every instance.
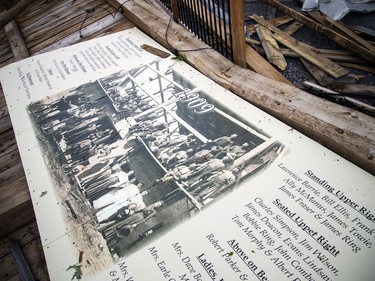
(258, 64)
(336, 37)
(48, 17)
(7, 16)
(353, 89)
(330, 23)
(238, 33)
(17, 213)
(304, 50)
(34, 257)
(24, 235)
(9, 158)
(344, 131)
(293, 28)
(276, 22)
(359, 67)
(16, 42)
(8, 268)
(101, 27)
(21, 263)
(336, 55)
(319, 75)
(338, 96)
(271, 48)
(73, 25)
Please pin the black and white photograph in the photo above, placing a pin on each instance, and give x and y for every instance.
(135, 153)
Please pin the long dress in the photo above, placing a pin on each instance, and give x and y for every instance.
(108, 204)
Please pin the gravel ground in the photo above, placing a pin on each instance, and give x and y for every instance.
(296, 71)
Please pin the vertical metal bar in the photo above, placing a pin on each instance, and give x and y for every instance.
(203, 18)
(183, 8)
(212, 26)
(230, 46)
(217, 27)
(174, 10)
(196, 20)
(192, 23)
(220, 28)
(225, 28)
(206, 20)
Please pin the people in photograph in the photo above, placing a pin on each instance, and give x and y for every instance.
(137, 218)
(107, 205)
(215, 184)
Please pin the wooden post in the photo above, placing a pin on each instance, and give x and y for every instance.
(175, 11)
(238, 32)
(16, 42)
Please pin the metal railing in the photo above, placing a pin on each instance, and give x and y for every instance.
(211, 21)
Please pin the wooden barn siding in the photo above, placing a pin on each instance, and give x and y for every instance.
(45, 26)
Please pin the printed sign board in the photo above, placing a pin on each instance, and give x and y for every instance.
(141, 168)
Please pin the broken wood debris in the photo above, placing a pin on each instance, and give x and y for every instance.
(335, 70)
(303, 49)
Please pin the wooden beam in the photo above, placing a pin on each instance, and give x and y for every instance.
(16, 42)
(7, 16)
(237, 19)
(336, 37)
(343, 130)
(304, 50)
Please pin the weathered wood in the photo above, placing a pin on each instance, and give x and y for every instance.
(16, 42)
(258, 64)
(72, 36)
(24, 235)
(8, 268)
(9, 158)
(304, 50)
(21, 263)
(358, 66)
(338, 38)
(330, 23)
(276, 22)
(271, 48)
(72, 24)
(17, 213)
(319, 75)
(337, 95)
(336, 55)
(34, 256)
(345, 131)
(238, 33)
(293, 27)
(353, 89)
(7, 16)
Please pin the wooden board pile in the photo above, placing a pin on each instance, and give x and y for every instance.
(344, 74)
